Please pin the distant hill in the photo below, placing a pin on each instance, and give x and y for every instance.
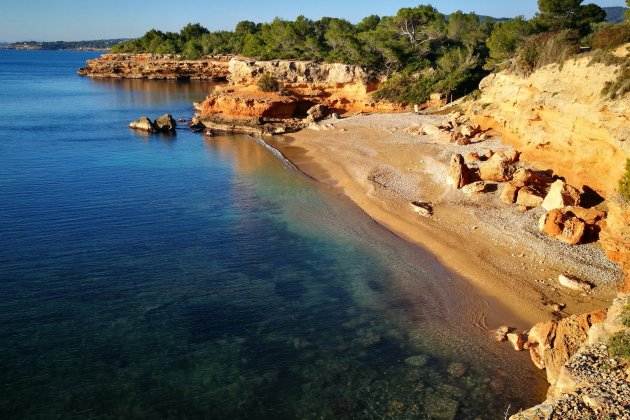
(615, 14)
(99, 44)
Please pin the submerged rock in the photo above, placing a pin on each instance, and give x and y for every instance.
(417, 361)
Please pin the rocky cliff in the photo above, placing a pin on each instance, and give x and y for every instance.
(592, 384)
(558, 118)
(340, 88)
(153, 66)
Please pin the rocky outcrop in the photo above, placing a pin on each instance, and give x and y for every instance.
(558, 119)
(156, 66)
(308, 91)
(586, 380)
(615, 238)
(163, 124)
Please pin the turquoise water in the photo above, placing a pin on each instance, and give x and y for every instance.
(182, 277)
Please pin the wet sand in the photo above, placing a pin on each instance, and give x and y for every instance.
(493, 245)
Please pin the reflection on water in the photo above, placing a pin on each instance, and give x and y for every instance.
(155, 92)
(192, 278)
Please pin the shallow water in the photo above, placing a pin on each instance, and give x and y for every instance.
(183, 277)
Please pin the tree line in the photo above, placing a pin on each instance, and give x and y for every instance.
(419, 49)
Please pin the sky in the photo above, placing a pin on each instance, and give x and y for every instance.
(72, 20)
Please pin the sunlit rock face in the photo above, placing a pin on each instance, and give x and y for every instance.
(156, 66)
(558, 118)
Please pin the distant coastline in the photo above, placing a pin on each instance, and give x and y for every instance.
(93, 45)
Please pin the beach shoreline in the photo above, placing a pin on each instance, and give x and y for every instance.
(520, 275)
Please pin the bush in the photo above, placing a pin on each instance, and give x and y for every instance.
(610, 36)
(619, 345)
(624, 191)
(268, 83)
(546, 48)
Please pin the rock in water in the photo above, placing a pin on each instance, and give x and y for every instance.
(143, 124)
(561, 195)
(459, 173)
(166, 124)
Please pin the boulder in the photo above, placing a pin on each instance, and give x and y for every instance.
(471, 157)
(523, 177)
(528, 197)
(501, 333)
(589, 216)
(474, 188)
(496, 168)
(574, 284)
(552, 223)
(317, 112)
(459, 173)
(517, 340)
(509, 193)
(143, 124)
(165, 124)
(561, 195)
(551, 344)
(422, 208)
(572, 231)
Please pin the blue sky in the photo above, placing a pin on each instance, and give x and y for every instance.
(48, 20)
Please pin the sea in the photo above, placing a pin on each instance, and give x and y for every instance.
(191, 277)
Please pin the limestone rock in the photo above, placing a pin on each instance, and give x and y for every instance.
(551, 223)
(574, 284)
(459, 173)
(497, 168)
(474, 188)
(552, 343)
(517, 340)
(422, 208)
(317, 112)
(561, 195)
(143, 124)
(165, 124)
(572, 231)
(509, 193)
(589, 216)
(501, 333)
(528, 197)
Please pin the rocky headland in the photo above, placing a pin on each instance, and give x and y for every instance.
(156, 67)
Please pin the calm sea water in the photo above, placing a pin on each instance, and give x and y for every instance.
(182, 277)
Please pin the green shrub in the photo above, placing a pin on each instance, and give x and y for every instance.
(268, 83)
(610, 36)
(624, 191)
(546, 48)
(619, 345)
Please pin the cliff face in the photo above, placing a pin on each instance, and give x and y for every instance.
(341, 88)
(558, 118)
(152, 66)
(592, 383)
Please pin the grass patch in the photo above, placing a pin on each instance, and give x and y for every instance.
(624, 192)
(619, 345)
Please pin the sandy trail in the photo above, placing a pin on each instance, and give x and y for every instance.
(382, 166)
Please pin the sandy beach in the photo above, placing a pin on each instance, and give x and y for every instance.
(382, 165)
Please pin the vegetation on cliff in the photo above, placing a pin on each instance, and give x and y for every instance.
(624, 191)
(419, 49)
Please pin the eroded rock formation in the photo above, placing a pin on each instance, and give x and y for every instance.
(558, 118)
(154, 66)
